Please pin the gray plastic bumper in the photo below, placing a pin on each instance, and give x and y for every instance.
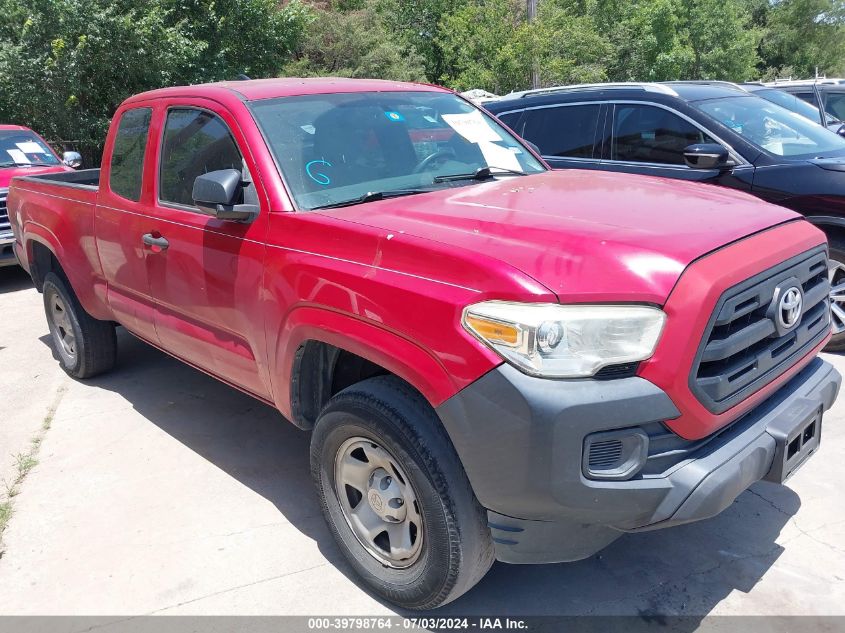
(520, 439)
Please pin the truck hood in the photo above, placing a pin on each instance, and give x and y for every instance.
(585, 235)
(7, 173)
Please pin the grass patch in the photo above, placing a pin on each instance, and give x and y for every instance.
(24, 463)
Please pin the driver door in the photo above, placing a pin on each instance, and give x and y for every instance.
(206, 274)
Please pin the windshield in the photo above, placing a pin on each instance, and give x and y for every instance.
(334, 148)
(772, 128)
(22, 148)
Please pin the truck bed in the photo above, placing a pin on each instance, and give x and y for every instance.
(89, 178)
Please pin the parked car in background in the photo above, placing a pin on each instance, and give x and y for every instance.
(798, 105)
(496, 360)
(709, 132)
(23, 152)
(828, 95)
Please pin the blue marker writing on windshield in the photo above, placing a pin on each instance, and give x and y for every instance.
(319, 177)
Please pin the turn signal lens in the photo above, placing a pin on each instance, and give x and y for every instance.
(493, 331)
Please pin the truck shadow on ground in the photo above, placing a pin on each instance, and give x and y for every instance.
(681, 571)
(14, 278)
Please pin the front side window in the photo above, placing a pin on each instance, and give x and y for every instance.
(22, 148)
(337, 148)
(130, 146)
(648, 134)
(773, 128)
(195, 143)
(563, 131)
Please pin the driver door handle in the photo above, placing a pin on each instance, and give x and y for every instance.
(159, 242)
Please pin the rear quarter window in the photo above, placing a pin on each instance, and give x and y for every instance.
(130, 147)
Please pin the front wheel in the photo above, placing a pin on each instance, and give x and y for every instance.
(396, 497)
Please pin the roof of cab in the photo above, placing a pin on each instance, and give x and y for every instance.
(256, 89)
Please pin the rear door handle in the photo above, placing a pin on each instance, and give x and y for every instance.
(159, 242)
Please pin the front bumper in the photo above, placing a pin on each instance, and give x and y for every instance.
(7, 250)
(521, 439)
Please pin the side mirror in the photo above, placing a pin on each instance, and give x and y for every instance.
(707, 156)
(72, 159)
(217, 194)
(841, 131)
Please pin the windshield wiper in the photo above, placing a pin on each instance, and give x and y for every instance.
(371, 196)
(482, 173)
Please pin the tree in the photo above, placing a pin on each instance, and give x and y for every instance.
(490, 45)
(353, 43)
(65, 65)
(417, 25)
(802, 36)
(253, 37)
(658, 40)
(487, 44)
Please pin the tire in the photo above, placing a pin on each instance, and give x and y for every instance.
(85, 346)
(454, 549)
(837, 278)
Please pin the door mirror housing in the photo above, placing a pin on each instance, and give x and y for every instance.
(72, 159)
(707, 156)
(218, 194)
(841, 130)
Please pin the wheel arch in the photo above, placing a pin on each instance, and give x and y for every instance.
(321, 352)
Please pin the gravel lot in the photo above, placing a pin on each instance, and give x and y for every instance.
(161, 490)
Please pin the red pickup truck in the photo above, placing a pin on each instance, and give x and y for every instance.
(23, 152)
(496, 361)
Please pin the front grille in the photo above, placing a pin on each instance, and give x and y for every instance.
(745, 347)
(5, 227)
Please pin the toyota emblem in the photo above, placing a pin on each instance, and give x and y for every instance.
(789, 308)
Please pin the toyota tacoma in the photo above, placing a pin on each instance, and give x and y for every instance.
(494, 360)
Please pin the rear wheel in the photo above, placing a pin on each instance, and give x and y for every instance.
(85, 346)
(396, 497)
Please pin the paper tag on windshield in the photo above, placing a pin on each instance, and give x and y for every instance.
(498, 156)
(472, 127)
(18, 156)
(31, 147)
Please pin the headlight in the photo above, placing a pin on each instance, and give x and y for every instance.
(571, 341)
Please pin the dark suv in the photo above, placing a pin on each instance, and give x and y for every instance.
(710, 132)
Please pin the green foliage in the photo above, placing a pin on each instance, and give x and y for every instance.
(659, 40)
(488, 45)
(353, 43)
(65, 65)
(805, 35)
(253, 37)
(417, 25)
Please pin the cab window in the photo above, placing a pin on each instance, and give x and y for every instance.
(195, 142)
